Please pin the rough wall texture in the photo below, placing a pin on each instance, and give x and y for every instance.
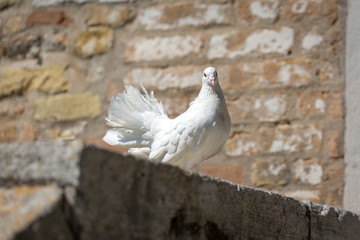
(278, 62)
(112, 196)
(352, 153)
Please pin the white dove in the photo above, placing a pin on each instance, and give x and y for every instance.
(139, 123)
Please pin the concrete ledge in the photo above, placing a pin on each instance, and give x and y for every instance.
(119, 197)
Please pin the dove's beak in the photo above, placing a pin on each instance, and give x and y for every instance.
(212, 80)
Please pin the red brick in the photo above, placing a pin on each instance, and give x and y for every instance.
(247, 42)
(112, 90)
(234, 174)
(307, 171)
(335, 107)
(29, 133)
(284, 138)
(251, 12)
(180, 14)
(268, 172)
(297, 9)
(333, 145)
(328, 71)
(174, 106)
(164, 48)
(160, 79)
(7, 134)
(115, 16)
(265, 74)
(57, 17)
(312, 104)
(262, 108)
(332, 11)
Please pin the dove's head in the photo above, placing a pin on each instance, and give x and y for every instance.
(210, 76)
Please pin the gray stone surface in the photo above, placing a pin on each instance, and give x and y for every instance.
(352, 94)
(40, 162)
(119, 197)
(139, 200)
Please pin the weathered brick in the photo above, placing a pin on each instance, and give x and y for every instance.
(312, 104)
(334, 145)
(328, 71)
(164, 48)
(57, 42)
(307, 171)
(234, 174)
(172, 15)
(114, 16)
(251, 12)
(23, 47)
(334, 186)
(112, 90)
(45, 3)
(11, 108)
(46, 79)
(96, 40)
(20, 206)
(335, 170)
(7, 134)
(95, 73)
(182, 77)
(29, 133)
(244, 42)
(262, 108)
(66, 133)
(332, 11)
(14, 24)
(334, 195)
(305, 195)
(65, 107)
(335, 41)
(57, 17)
(249, 143)
(174, 106)
(335, 106)
(268, 172)
(297, 9)
(265, 74)
(311, 40)
(296, 138)
(284, 138)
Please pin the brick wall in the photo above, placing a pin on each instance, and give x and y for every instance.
(279, 63)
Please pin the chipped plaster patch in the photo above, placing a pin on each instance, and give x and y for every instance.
(310, 41)
(308, 171)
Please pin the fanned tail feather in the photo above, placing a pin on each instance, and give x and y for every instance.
(131, 116)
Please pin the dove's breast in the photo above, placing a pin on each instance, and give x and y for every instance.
(212, 123)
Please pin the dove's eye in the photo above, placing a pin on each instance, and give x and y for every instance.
(205, 75)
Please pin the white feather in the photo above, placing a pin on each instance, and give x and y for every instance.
(139, 122)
